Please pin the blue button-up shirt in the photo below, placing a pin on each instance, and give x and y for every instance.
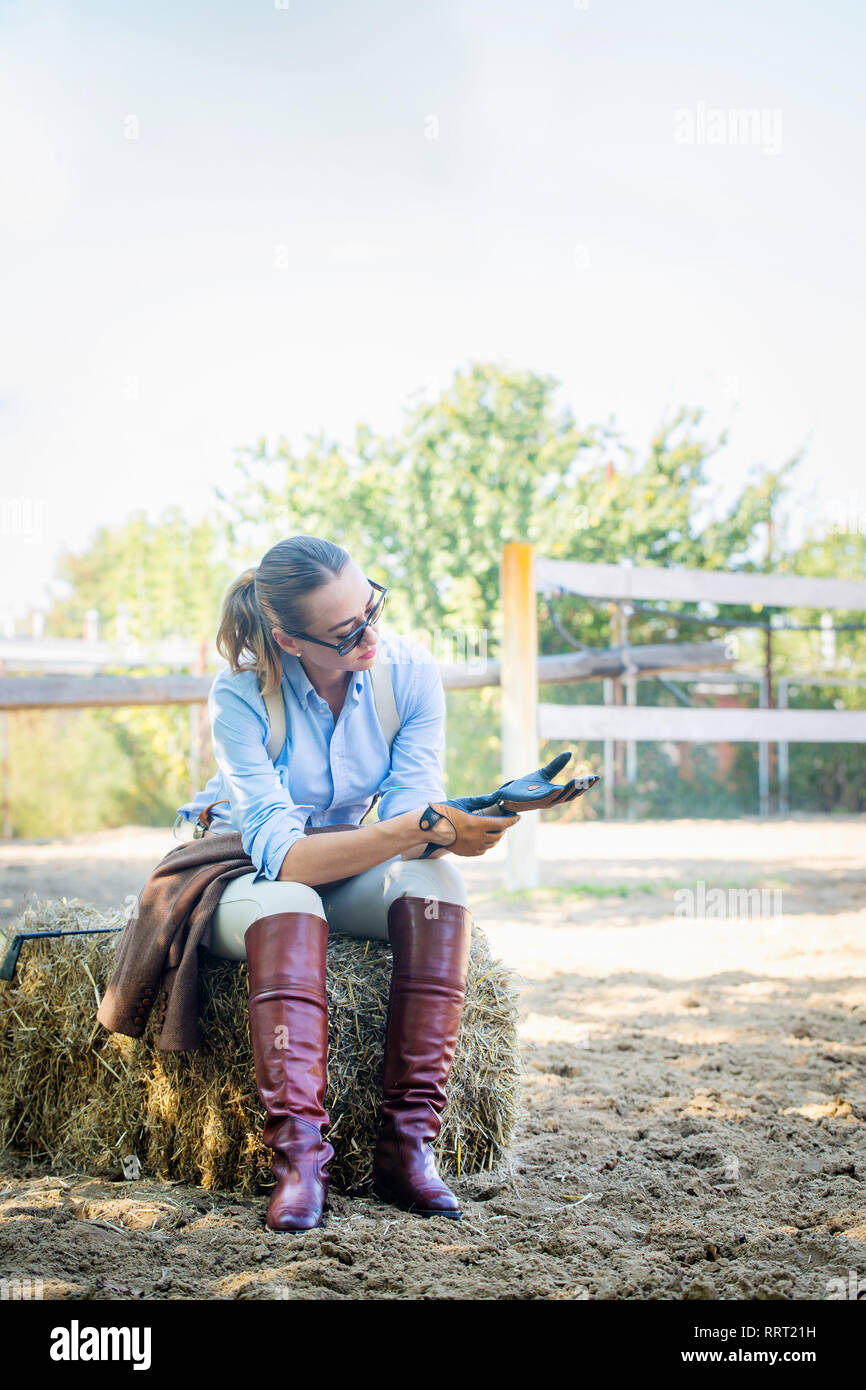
(326, 773)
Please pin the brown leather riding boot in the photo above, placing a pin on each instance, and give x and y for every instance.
(288, 1012)
(428, 986)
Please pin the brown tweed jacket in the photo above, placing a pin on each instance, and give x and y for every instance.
(158, 950)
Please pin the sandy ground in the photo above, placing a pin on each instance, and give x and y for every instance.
(694, 1093)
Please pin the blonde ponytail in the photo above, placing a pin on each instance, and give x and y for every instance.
(242, 630)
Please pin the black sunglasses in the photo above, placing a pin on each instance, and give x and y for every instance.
(350, 642)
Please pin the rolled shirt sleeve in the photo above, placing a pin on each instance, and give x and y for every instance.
(262, 808)
(418, 752)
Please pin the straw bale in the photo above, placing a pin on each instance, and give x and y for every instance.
(72, 1094)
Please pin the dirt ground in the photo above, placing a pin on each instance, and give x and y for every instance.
(694, 1093)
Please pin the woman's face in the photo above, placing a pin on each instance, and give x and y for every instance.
(333, 611)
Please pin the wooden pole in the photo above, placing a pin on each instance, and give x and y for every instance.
(629, 684)
(4, 736)
(519, 676)
(783, 754)
(206, 752)
(609, 766)
(194, 755)
(4, 760)
(768, 677)
(660, 723)
(662, 582)
(764, 753)
(84, 692)
(770, 695)
(199, 729)
(617, 625)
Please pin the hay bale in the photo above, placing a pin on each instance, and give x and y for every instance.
(71, 1093)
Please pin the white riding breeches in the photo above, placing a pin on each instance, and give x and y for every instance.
(357, 907)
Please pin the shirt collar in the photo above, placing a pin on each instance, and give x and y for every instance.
(303, 686)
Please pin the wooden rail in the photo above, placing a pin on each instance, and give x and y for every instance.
(649, 723)
(81, 692)
(688, 586)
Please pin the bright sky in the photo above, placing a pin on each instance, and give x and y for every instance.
(228, 221)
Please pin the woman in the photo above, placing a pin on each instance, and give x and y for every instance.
(305, 621)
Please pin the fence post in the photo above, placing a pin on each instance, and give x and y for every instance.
(194, 739)
(783, 753)
(199, 728)
(4, 762)
(629, 682)
(616, 685)
(519, 676)
(764, 756)
(204, 739)
(609, 765)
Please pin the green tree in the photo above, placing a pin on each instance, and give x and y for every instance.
(493, 459)
(169, 574)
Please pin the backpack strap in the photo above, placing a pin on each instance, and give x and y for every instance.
(386, 711)
(386, 705)
(277, 717)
